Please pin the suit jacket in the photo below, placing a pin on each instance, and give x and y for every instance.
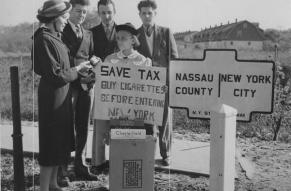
(102, 46)
(164, 46)
(79, 50)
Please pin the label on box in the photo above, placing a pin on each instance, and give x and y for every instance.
(128, 133)
(132, 174)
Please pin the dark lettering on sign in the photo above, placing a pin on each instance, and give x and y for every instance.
(244, 93)
(194, 91)
(132, 86)
(124, 99)
(115, 71)
(194, 77)
(116, 112)
(260, 79)
(108, 84)
(230, 78)
(241, 115)
(144, 115)
(149, 75)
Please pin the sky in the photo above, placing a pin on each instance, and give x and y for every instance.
(179, 15)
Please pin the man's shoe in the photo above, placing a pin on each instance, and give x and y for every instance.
(63, 181)
(82, 172)
(62, 178)
(166, 161)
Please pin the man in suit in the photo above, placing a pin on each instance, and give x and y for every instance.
(158, 43)
(104, 37)
(80, 44)
(104, 34)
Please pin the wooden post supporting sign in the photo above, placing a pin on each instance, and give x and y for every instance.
(222, 149)
(17, 134)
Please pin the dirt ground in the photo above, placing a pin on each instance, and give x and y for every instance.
(271, 160)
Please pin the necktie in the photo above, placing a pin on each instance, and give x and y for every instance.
(78, 32)
(107, 32)
(149, 30)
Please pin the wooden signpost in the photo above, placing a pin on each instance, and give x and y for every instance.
(224, 89)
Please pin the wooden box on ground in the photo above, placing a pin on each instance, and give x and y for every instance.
(131, 166)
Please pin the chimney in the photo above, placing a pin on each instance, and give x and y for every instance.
(235, 20)
(220, 24)
(228, 22)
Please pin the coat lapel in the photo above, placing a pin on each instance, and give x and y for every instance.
(85, 38)
(113, 33)
(144, 48)
(156, 40)
(69, 34)
(103, 33)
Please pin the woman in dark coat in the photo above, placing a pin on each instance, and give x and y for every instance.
(51, 62)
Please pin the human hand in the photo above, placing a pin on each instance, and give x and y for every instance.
(94, 60)
(84, 67)
(90, 78)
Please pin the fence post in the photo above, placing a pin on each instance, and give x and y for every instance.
(222, 148)
(17, 134)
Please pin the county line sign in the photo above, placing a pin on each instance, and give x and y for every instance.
(220, 77)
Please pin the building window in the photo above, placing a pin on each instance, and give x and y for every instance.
(239, 33)
(245, 25)
(249, 43)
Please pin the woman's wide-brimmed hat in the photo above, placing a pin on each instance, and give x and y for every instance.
(54, 8)
(127, 27)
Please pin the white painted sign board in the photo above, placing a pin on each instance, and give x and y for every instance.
(220, 77)
(128, 90)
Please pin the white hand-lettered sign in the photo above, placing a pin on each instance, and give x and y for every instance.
(129, 91)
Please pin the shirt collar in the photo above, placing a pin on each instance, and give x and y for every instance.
(74, 27)
(145, 27)
(110, 25)
(134, 54)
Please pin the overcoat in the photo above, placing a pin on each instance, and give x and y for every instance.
(56, 134)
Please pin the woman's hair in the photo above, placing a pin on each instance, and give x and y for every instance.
(147, 3)
(80, 2)
(45, 20)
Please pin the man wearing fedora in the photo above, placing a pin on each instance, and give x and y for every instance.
(104, 37)
(158, 43)
(80, 44)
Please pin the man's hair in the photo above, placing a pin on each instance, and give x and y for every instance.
(80, 2)
(105, 2)
(147, 3)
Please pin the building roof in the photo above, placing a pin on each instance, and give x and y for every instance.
(182, 35)
(241, 31)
